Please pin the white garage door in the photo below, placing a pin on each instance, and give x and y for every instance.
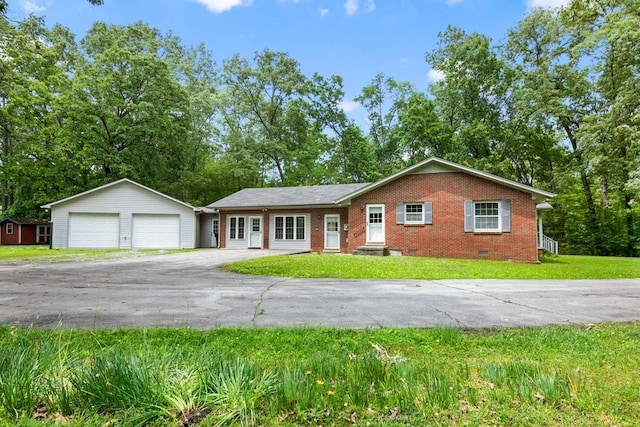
(92, 230)
(156, 231)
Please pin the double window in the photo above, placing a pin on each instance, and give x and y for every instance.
(487, 216)
(236, 228)
(290, 227)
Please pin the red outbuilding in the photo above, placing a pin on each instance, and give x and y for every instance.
(24, 231)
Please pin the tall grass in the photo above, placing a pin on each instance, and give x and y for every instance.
(396, 377)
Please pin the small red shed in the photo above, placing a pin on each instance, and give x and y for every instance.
(24, 231)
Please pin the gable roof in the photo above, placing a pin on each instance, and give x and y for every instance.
(436, 164)
(281, 197)
(114, 184)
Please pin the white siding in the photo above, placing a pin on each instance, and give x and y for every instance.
(124, 199)
(304, 245)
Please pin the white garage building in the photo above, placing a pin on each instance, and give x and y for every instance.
(123, 214)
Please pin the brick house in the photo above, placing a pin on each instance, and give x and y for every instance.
(435, 208)
(24, 231)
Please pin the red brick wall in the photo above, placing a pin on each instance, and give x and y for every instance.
(446, 237)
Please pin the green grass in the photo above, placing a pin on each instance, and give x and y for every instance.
(42, 254)
(560, 375)
(363, 267)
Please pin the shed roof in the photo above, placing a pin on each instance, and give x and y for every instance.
(26, 221)
(316, 195)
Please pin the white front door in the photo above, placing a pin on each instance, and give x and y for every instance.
(255, 232)
(332, 231)
(375, 224)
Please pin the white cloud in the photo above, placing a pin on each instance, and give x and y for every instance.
(351, 7)
(31, 6)
(547, 3)
(323, 12)
(452, 2)
(220, 6)
(348, 105)
(435, 76)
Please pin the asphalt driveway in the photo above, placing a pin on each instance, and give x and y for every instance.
(190, 289)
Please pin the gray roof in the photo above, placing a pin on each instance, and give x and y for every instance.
(317, 195)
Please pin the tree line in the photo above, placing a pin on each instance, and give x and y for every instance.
(555, 105)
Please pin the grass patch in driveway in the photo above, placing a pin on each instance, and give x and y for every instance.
(42, 254)
(560, 375)
(368, 267)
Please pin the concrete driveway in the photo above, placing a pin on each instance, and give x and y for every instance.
(190, 289)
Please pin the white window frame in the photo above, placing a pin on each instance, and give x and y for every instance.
(293, 230)
(9, 228)
(236, 230)
(498, 215)
(407, 214)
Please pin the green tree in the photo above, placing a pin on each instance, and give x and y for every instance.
(266, 122)
(33, 162)
(350, 155)
(610, 39)
(137, 108)
(469, 99)
(384, 99)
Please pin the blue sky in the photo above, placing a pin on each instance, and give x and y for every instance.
(355, 39)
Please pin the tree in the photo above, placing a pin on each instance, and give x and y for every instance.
(384, 99)
(468, 99)
(265, 120)
(130, 111)
(350, 155)
(422, 133)
(552, 87)
(611, 39)
(33, 163)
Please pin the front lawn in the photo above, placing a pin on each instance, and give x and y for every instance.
(363, 267)
(560, 375)
(10, 254)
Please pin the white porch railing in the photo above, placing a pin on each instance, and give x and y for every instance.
(549, 245)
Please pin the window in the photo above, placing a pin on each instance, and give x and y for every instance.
(414, 213)
(487, 216)
(236, 228)
(9, 228)
(292, 227)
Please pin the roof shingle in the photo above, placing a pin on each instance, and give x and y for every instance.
(286, 196)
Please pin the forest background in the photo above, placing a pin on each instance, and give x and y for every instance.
(555, 106)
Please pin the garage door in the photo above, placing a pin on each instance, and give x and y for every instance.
(89, 230)
(156, 231)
